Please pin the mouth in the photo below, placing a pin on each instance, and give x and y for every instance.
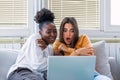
(68, 40)
(52, 39)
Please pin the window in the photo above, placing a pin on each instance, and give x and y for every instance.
(115, 13)
(93, 16)
(86, 12)
(13, 13)
(16, 17)
(111, 15)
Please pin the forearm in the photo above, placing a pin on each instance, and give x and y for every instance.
(69, 50)
(74, 54)
(88, 51)
(58, 53)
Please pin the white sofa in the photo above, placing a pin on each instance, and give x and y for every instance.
(8, 57)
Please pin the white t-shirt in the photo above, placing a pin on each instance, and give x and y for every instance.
(32, 56)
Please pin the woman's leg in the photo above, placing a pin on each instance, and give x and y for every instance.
(24, 74)
(45, 74)
(98, 76)
(101, 77)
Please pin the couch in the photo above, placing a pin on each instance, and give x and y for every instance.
(8, 57)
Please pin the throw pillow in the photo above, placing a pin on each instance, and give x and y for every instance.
(102, 64)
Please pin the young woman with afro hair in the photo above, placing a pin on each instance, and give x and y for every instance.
(31, 63)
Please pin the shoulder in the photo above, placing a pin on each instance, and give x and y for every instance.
(34, 36)
(83, 41)
(83, 38)
(83, 35)
(32, 39)
(57, 42)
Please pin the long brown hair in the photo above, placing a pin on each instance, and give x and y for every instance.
(73, 21)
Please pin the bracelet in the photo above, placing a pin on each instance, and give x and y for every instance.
(77, 52)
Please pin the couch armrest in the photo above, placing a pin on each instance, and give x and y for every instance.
(113, 67)
(7, 58)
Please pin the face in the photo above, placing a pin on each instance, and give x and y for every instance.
(48, 33)
(68, 33)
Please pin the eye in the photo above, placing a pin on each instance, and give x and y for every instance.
(64, 30)
(48, 32)
(72, 30)
(55, 31)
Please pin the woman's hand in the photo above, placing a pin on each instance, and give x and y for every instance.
(63, 47)
(88, 51)
(58, 53)
(41, 43)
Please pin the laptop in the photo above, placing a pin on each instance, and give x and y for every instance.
(71, 67)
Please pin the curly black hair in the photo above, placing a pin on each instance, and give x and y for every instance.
(44, 15)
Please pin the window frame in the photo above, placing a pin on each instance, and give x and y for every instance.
(33, 6)
(105, 30)
(106, 13)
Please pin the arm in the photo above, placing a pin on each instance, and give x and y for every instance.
(41, 43)
(87, 51)
(61, 47)
(83, 41)
(33, 54)
(83, 47)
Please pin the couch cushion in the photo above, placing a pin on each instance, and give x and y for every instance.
(102, 64)
(114, 68)
(7, 58)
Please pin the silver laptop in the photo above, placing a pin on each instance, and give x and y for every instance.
(71, 67)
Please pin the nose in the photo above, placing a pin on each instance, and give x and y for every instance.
(68, 33)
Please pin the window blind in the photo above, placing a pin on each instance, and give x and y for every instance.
(13, 12)
(86, 12)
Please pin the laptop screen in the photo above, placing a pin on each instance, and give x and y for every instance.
(71, 67)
